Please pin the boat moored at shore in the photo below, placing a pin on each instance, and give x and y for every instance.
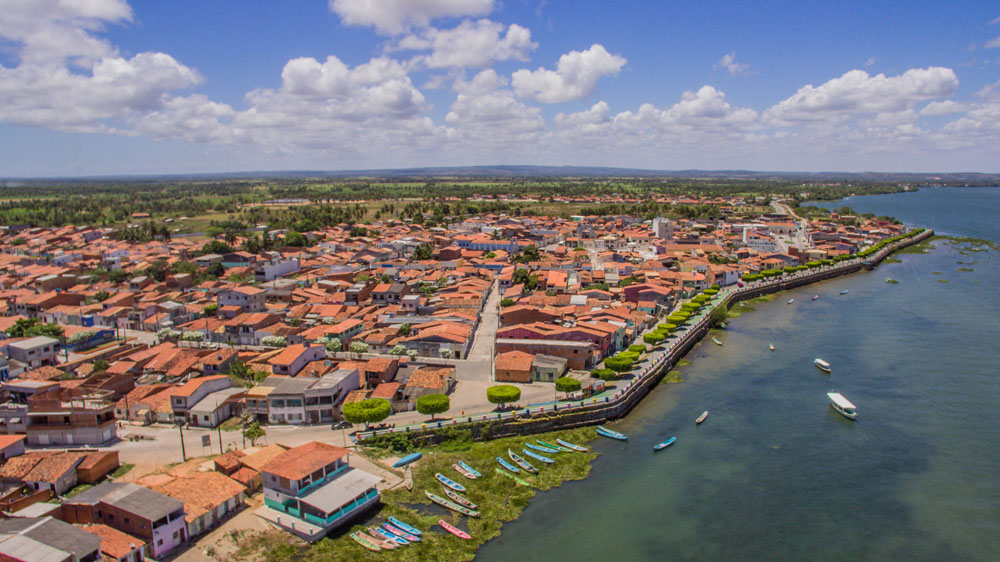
(603, 431)
(843, 405)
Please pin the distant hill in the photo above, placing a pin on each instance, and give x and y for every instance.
(502, 172)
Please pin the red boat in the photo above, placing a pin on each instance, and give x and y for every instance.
(454, 530)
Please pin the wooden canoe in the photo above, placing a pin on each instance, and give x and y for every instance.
(559, 448)
(601, 430)
(538, 457)
(400, 533)
(459, 469)
(572, 447)
(520, 481)
(702, 417)
(385, 539)
(454, 530)
(405, 526)
(459, 499)
(469, 468)
(449, 482)
(365, 541)
(521, 462)
(448, 504)
(507, 465)
(541, 448)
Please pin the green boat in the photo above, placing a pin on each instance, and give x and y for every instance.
(559, 448)
(514, 477)
(448, 504)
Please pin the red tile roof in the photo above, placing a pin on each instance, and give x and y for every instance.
(301, 461)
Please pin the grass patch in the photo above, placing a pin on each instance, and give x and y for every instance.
(122, 470)
(232, 424)
(682, 363)
(922, 247)
(672, 377)
(892, 260)
(271, 545)
(79, 489)
(499, 499)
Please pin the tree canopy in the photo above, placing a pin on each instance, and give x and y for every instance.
(567, 384)
(372, 410)
(503, 394)
(431, 404)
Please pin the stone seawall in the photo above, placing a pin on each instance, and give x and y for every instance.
(590, 412)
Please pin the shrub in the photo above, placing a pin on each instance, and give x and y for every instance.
(630, 355)
(193, 335)
(567, 384)
(637, 348)
(618, 364)
(274, 341)
(372, 410)
(653, 338)
(503, 394)
(430, 404)
(81, 337)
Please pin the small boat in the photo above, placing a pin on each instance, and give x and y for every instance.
(665, 444)
(386, 539)
(771, 346)
(815, 297)
(459, 499)
(469, 468)
(790, 301)
(571, 446)
(449, 482)
(446, 503)
(742, 303)
(454, 530)
(701, 418)
(823, 365)
(541, 448)
(722, 326)
(601, 430)
(515, 478)
(551, 446)
(842, 405)
(844, 292)
(458, 468)
(365, 541)
(407, 460)
(527, 466)
(507, 465)
(536, 456)
(405, 526)
(716, 341)
(400, 533)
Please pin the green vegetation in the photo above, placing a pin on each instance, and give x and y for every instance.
(431, 404)
(718, 316)
(372, 410)
(567, 384)
(31, 327)
(253, 431)
(122, 470)
(503, 394)
(78, 489)
(892, 260)
(618, 364)
(499, 501)
(604, 374)
(965, 269)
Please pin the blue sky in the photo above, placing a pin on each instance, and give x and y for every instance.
(144, 87)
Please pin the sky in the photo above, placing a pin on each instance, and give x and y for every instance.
(112, 87)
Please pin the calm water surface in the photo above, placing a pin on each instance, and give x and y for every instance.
(775, 473)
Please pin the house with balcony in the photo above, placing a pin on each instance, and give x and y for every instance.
(306, 400)
(71, 416)
(130, 508)
(311, 489)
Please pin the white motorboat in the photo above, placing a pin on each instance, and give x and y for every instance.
(842, 405)
(823, 365)
(771, 346)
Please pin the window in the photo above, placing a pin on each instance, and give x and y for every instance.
(126, 521)
(177, 535)
(159, 542)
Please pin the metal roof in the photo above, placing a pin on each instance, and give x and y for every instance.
(838, 399)
(341, 490)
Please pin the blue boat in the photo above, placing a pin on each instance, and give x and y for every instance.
(407, 460)
(536, 456)
(400, 533)
(572, 446)
(399, 540)
(449, 482)
(405, 526)
(468, 467)
(507, 465)
(601, 430)
(541, 448)
(665, 444)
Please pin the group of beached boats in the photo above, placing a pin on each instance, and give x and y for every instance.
(540, 451)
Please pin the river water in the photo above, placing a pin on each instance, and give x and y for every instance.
(775, 473)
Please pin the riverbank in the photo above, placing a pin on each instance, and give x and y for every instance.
(500, 501)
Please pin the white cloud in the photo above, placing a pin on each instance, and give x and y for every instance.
(946, 107)
(995, 20)
(992, 43)
(392, 17)
(728, 62)
(485, 110)
(870, 61)
(575, 77)
(69, 79)
(857, 93)
(470, 44)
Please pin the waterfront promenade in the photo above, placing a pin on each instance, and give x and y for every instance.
(650, 369)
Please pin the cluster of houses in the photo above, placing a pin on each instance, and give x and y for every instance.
(98, 331)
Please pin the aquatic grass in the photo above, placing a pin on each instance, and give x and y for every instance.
(892, 260)
(936, 273)
(965, 269)
(500, 500)
(942, 281)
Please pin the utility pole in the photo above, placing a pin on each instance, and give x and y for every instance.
(219, 429)
(183, 453)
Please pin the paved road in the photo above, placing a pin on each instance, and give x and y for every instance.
(800, 237)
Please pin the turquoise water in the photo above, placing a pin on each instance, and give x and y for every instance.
(775, 473)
